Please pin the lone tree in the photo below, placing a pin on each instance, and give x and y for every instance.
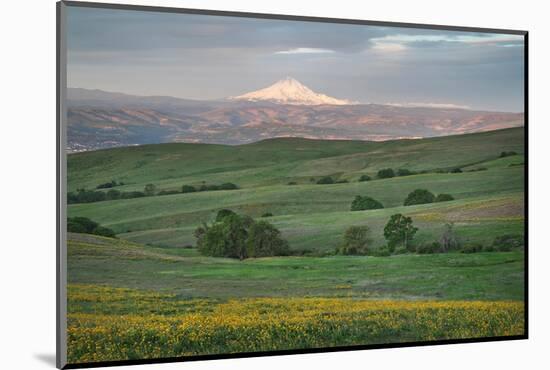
(149, 189)
(364, 178)
(386, 173)
(419, 196)
(399, 231)
(356, 241)
(364, 203)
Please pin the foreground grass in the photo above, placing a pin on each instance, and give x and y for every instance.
(119, 324)
(452, 276)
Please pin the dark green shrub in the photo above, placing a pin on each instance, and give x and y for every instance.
(223, 213)
(132, 194)
(82, 222)
(112, 194)
(292, 183)
(429, 248)
(444, 198)
(104, 231)
(361, 203)
(86, 196)
(456, 170)
(168, 192)
(301, 252)
(505, 243)
(478, 169)
(86, 226)
(419, 196)
(342, 181)
(325, 180)
(149, 190)
(108, 185)
(381, 252)
(401, 250)
(228, 186)
(385, 173)
(489, 248)
(205, 187)
(364, 178)
(472, 248)
(267, 214)
(188, 189)
(507, 154)
(356, 241)
(404, 172)
(76, 227)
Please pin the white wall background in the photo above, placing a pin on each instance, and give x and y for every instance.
(27, 197)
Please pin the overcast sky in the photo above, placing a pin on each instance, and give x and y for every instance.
(212, 57)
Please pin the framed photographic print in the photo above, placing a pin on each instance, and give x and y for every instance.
(235, 184)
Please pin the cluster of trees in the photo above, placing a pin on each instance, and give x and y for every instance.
(387, 173)
(418, 196)
(329, 180)
(90, 196)
(206, 187)
(398, 232)
(423, 196)
(240, 236)
(502, 243)
(86, 226)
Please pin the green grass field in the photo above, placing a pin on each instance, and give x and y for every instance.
(456, 276)
(153, 276)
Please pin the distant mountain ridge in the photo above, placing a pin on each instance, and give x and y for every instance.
(99, 119)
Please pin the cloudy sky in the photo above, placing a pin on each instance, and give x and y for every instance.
(212, 57)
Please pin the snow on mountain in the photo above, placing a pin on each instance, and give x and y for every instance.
(290, 91)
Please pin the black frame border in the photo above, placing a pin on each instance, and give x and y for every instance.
(60, 156)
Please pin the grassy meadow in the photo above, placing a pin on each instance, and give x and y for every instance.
(149, 293)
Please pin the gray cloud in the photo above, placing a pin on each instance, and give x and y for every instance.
(208, 57)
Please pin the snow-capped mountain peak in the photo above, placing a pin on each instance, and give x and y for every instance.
(290, 91)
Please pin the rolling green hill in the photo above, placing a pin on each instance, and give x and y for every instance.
(278, 161)
(145, 289)
(488, 202)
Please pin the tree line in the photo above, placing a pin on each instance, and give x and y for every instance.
(89, 196)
